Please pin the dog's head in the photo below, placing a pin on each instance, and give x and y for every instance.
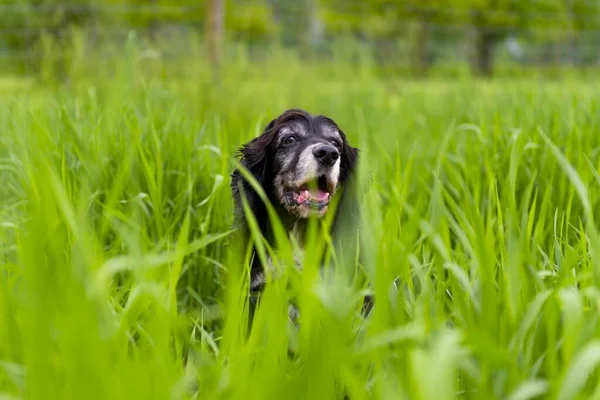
(301, 160)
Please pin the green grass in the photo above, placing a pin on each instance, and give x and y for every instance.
(478, 240)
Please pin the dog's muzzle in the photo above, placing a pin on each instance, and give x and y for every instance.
(314, 194)
(314, 180)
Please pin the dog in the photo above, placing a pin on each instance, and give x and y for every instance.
(302, 162)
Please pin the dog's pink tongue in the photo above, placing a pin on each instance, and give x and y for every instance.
(314, 196)
(301, 198)
(319, 196)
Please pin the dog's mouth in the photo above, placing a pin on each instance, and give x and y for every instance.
(314, 193)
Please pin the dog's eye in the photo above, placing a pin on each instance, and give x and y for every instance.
(336, 143)
(289, 139)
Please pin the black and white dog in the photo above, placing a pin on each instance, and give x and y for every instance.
(302, 162)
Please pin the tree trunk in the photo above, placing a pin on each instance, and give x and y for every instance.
(154, 22)
(214, 30)
(484, 50)
(315, 29)
(420, 61)
(573, 49)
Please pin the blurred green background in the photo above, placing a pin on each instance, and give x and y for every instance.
(401, 37)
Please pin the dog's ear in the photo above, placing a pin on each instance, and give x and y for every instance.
(348, 161)
(254, 156)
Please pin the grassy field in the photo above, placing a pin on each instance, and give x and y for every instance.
(478, 240)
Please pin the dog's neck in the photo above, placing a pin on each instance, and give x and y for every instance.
(296, 229)
(293, 225)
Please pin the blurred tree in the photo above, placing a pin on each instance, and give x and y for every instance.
(424, 13)
(381, 26)
(296, 17)
(24, 21)
(493, 20)
(373, 24)
(251, 21)
(215, 15)
(387, 20)
(347, 17)
(148, 16)
(584, 19)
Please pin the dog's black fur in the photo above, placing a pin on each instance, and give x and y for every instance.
(276, 159)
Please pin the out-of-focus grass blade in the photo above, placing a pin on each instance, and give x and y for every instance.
(529, 390)
(439, 361)
(381, 339)
(594, 237)
(578, 372)
(530, 318)
(123, 263)
(279, 231)
(15, 372)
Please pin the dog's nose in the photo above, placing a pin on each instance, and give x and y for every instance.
(326, 154)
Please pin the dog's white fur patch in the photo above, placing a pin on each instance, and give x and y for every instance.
(307, 166)
(334, 173)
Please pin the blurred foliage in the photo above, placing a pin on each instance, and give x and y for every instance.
(310, 24)
(252, 21)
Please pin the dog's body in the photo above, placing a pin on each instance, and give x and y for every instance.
(301, 162)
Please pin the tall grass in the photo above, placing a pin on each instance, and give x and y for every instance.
(478, 239)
